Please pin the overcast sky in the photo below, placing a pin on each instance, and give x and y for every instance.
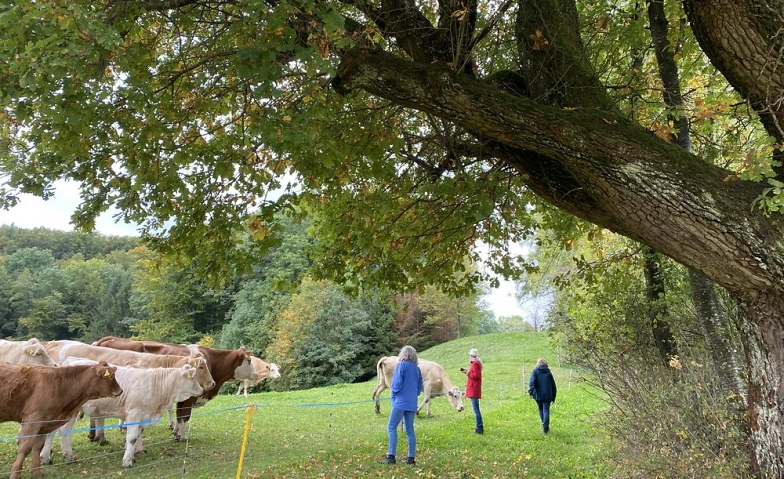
(32, 212)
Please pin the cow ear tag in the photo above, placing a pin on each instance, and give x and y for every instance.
(31, 352)
(106, 373)
(190, 375)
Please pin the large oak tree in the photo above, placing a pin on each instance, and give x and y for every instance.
(414, 129)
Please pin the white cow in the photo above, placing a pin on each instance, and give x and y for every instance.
(24, 352)
(263, 370)
(147, 393)
(436, 383)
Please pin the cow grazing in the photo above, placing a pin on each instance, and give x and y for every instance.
(147, 393)
(43, 398)
(24, 352)
(224, 364)
(263, 371)
(436, 383)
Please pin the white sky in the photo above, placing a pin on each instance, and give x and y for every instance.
(33, 212)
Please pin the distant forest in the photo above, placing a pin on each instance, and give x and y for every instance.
(83, 286)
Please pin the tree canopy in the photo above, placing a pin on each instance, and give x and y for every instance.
(415, 130)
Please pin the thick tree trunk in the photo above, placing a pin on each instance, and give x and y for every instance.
(764, 337)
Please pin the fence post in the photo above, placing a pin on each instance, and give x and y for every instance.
(251, 408)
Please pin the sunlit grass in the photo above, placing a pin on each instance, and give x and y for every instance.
(333, 432)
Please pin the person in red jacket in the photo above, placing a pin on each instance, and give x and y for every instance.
(474, 387)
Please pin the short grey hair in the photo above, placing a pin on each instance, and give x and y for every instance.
(541, 362)
(408, 353)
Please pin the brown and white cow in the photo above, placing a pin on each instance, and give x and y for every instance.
(225, 365)
(24, 352)
(43, 398)
(436, 383)
(147, 393)
(263, 370)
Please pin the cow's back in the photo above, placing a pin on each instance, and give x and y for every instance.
(120, 343)
(434, 376)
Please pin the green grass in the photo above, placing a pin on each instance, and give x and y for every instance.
(333, 432)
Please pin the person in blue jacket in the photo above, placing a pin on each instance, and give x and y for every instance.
(541, 387)
(406, 386)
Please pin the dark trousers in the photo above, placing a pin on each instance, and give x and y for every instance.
(544, 414)
(480, 426)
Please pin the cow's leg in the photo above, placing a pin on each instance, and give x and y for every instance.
(100, 436)
(46, 452)
(25, 444)
(91, 434)
(35, 453)
(245, 386)
(131, 437)
(172, 417)
(65, 439)
(425, 402)
(183, 416)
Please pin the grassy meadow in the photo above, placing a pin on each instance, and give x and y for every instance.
(333, 432)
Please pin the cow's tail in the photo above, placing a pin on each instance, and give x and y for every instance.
(380, 385)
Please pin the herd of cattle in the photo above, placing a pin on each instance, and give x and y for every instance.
(46, 386)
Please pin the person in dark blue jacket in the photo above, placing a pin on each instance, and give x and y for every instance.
(541, 387)
(405, 387)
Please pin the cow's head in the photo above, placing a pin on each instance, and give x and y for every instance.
(34, 353)
(202, 372)
(107, 382)
(189, 386)
(274, 371)
(455, 398)
(245, 369)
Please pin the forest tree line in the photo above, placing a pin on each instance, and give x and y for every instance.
(83, 286)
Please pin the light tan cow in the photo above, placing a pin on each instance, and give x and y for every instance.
(263, 370)
(436, 383)
(24, 352)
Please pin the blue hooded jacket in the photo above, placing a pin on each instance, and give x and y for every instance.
(406, 386)
(542, 384)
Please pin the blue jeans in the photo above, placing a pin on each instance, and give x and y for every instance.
(544, 414)
(477, 414)
(408, 420)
